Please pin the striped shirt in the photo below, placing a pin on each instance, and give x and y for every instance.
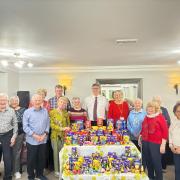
(53, 102)
(8, 121)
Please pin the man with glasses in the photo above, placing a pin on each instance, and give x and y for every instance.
(96, 105)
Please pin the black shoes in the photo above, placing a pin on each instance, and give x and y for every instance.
(42, 177)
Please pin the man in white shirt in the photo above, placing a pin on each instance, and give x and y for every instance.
(96, 105)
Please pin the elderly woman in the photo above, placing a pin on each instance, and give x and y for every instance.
(174, 140)
(167, 157)
(19, 111)
(118, 108)
(154, 135)
(59, 121)
(77, 113)
(163, 109)
(134, 121)
(43, 93)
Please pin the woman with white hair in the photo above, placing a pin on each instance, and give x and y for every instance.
(134, 121)
(19, 111)
(163, 109)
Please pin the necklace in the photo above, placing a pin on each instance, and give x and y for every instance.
(120, 109)
(136, 121)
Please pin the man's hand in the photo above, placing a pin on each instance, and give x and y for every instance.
(42, 137)
(13, 141)
(36, 137)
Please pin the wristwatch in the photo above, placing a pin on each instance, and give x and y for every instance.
(46, 133)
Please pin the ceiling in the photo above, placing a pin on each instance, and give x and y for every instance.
(54, 33)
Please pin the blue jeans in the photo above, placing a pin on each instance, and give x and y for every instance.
(177, 166)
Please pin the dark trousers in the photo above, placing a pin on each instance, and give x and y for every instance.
(152, 157)
(177, 166)
(7, 154)
(49, 156)
(0, 152)
(36, 157)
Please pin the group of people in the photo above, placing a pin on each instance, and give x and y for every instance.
(43, 124)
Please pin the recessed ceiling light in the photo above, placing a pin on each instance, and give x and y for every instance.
(19, 64)
(30, 65)
(178, 62)
(4, 63)
(122, 41)
(177, 51)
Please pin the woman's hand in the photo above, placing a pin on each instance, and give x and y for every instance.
(177, 150)
(13, 141)
(140, 140)
(162, 148)
(67, 128)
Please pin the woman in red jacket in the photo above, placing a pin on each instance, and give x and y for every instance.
(118, 108)
(154, 134)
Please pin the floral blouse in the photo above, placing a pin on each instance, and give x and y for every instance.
(58, 120)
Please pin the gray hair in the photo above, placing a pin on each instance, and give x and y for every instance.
(157, 99)
(75, 98)
(138, 99)
(3, 95)
(13, 98)
(35, 96)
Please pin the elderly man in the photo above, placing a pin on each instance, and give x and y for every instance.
(58, 93)
(8, 133)
(36, 127)
(96, 105)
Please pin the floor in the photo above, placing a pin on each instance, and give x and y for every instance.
(169, 175)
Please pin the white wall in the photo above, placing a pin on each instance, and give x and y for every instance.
(4, 82)
(154, 83)
(13, 83)
(9, 82)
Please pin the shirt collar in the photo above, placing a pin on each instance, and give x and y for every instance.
(96, 96)
(153, 115)
(36, 109)
(4, 110)
(141, 110)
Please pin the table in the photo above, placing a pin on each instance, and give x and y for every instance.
(87, 150)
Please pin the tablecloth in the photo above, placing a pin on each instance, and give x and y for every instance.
(88, 150)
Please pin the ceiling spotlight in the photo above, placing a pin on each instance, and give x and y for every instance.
(19, 64)
(30, 65)
(4, 63)
(126, 41)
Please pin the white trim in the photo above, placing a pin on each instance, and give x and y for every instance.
(100, 69)
(3, 69)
